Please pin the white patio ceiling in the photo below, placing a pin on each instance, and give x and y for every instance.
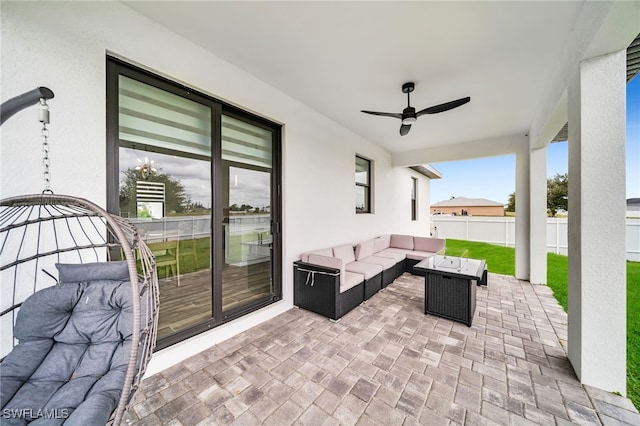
(341, 57)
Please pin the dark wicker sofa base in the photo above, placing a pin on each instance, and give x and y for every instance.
(317, 289)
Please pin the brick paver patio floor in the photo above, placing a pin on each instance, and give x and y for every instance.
(387, 363)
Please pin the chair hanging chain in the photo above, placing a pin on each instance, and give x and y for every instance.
(43, 117)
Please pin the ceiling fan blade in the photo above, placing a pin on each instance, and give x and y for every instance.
(385, 114)
(444, 107)
(404, 129)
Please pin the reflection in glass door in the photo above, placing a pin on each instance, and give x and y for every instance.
(165, 190)
(246, 200)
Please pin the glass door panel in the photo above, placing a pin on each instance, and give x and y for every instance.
(248, 243)
(170, 204)
(165, 189)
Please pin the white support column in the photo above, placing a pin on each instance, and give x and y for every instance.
(538, 218)
(523, 214)
(597, 278)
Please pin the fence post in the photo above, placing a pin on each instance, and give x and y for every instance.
(466, 228)
(506, 232)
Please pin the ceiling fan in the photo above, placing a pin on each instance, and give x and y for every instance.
(409, 114)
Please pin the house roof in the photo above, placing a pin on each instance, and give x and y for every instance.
(633, 201)
(338, 58)
(427, 170)
(467, 202)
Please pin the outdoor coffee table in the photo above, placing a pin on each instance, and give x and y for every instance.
(450, 286)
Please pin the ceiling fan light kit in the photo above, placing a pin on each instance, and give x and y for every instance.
(409, 115)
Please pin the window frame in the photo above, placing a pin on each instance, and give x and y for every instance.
(366, 186)
(414, 198)
(115, 68)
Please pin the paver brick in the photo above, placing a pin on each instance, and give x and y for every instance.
(364, 389)
(173, 408)
(446, 408)
(467, 397)
(387, 363)
(411, 402)
(327, 401)
(306, 394)
(263, 407)
(349, 410)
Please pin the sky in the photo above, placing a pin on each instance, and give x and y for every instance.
(246, 186)
(494, 178)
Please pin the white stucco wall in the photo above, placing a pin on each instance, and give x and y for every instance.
(64, 46)
(597, 271)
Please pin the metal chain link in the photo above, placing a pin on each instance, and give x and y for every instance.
(43, 116)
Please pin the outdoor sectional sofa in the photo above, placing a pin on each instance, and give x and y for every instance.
(333, 281)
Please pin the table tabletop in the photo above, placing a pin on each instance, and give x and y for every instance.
(460, 266)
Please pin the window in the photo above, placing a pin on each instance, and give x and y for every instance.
(363, 185)
(199, 179)
(414, 198)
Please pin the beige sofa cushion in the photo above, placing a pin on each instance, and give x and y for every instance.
(344, 252)
(351, 280)
(385, 262)
(380, 243)
(398, 255)
(324, 252)
(364, 249)
(402, 241)
(419, 255)
(432, 245)
(369, 270)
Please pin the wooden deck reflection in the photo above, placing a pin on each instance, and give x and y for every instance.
(191, 303)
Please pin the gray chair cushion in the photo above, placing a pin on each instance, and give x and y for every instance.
(74, 347)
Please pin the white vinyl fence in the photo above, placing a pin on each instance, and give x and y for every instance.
(502, 231)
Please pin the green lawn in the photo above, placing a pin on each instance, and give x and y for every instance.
(236, 252)
(501, 260)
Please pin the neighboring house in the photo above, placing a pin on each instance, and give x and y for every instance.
(463, 206)
(633, 207)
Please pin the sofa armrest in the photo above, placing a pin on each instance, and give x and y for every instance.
(316, 288)
(328, 262)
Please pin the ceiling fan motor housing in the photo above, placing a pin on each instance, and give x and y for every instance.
(409, 115)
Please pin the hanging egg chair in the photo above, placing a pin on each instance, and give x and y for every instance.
(78, 309)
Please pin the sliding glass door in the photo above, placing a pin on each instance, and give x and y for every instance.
(199, 179)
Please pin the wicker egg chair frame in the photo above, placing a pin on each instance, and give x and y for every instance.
(38, 231)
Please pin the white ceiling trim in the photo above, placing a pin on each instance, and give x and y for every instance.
(493, 147)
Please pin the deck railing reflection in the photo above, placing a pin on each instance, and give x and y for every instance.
(247, 238)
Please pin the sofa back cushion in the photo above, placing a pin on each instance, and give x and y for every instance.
(402, 241)
(432, 245)
(381, 243)
(344, 252)
(364, 250)
(323, 252)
